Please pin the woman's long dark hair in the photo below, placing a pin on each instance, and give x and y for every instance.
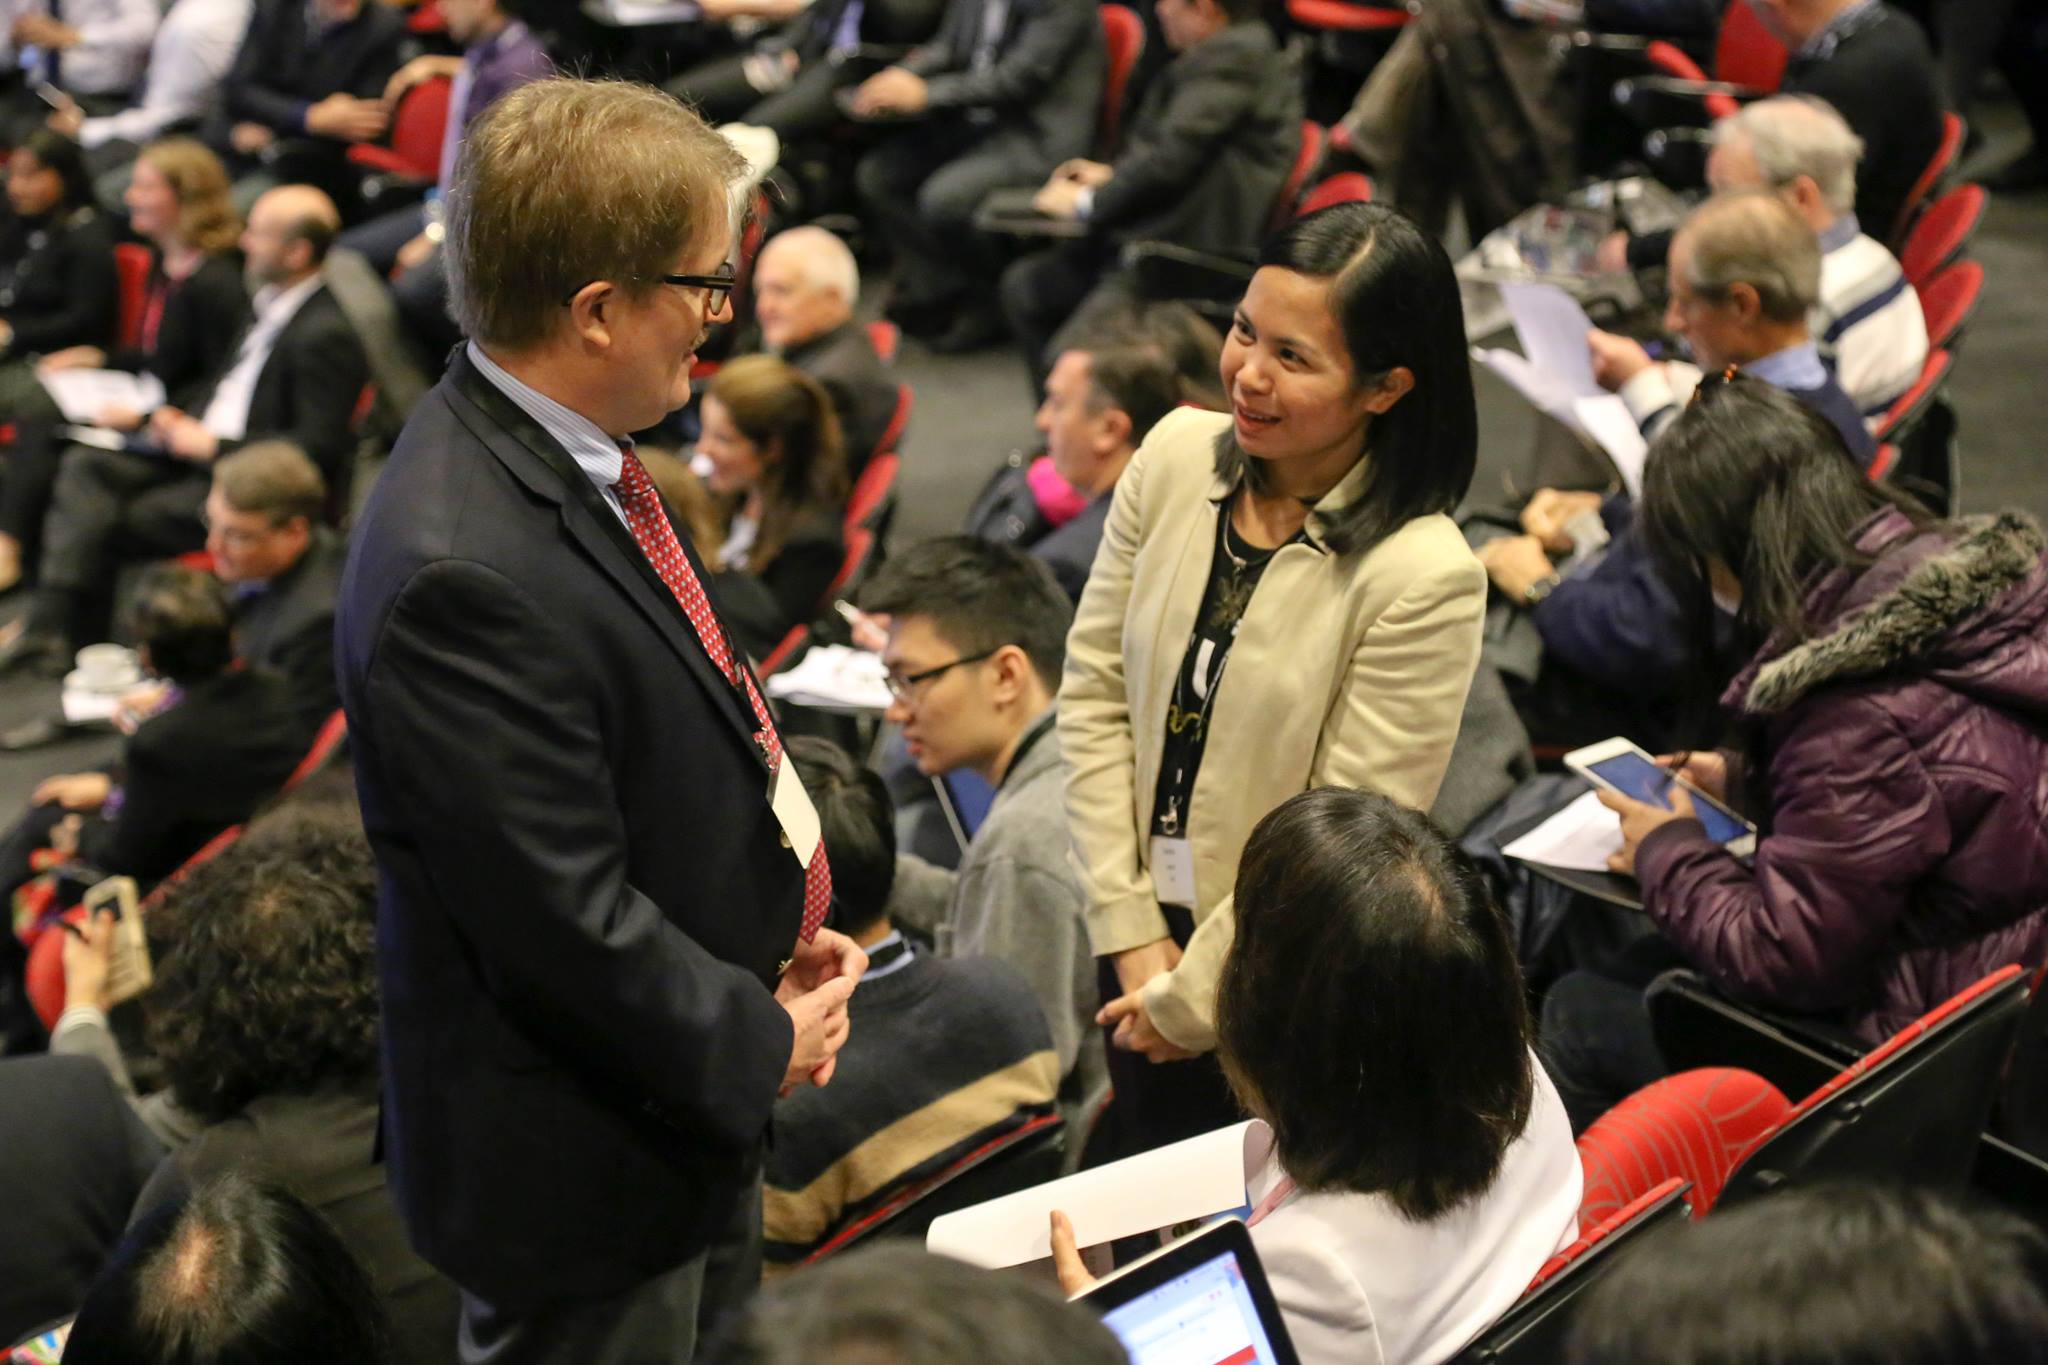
(1396, 302)
(56, 152)
(1750, 476)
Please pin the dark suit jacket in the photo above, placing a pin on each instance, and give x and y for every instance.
(287, 627)
(1069, 548)
(189, 773)
(280, 69)
(204, 316)
(322, 1147)
(763, 607)
(1047, 75)
(309, 387)
(57, 283)
(862, 393)
(1212, 142)
(76, 1157)
(584, 895)
(1882, 79)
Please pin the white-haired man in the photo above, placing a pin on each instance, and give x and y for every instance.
(1868, 323)
(805, 286)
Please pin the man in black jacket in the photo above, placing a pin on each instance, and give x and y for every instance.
(1008, 90)
(1210, 147)
(307, 83)
(806, 283)
(601, 887)
(297, 374)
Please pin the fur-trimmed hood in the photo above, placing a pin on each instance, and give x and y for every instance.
(1966, 606)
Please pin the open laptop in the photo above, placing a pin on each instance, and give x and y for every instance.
(1201, 1301)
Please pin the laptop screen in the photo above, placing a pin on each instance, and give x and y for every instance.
(1203, 1316)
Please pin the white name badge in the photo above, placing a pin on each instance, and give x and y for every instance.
(794, 812)
(1173, 871)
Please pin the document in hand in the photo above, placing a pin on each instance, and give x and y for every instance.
(1555, 373)
(834, 678)
(1194, 1179)
(82, 395)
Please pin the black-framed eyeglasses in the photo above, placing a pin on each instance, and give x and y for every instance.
(903, 686)
(717, 288)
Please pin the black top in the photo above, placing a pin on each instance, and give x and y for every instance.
(1881, 77)
(57, 283)
(200, 320)
(1234, 573)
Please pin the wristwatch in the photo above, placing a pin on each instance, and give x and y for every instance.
(1540, 589)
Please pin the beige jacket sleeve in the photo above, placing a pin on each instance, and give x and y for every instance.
(1391, 731)
(1096, 742)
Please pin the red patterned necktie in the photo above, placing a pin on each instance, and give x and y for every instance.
(657, 540)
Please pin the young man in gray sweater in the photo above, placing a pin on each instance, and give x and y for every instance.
(977, 637)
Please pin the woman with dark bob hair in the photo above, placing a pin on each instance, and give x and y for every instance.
(1415, 1168)
(1891, 732)
(1301, 541)
(1826, 1275)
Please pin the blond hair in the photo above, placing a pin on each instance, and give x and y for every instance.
(207, 220)
(564, 182)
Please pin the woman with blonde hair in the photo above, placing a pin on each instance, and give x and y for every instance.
(773, 462)
(193, 313)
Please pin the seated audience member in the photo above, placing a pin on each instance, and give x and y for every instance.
(1099, 406)
(1206, 151)
(891, 1304)
(296, 373)
(282, 565)
(806, 283)
(222, 742)
(786, 81)
(189, 57)
(1908, 1277)
(977, 635)
(1867, 323)
(264, 1016)
(1745, 278)
(308, 82)
(89, 50)
(946, 1054)
(76, 1159)
(1870, 62)
(776, 473)
(1893, 730)
(499, 54)
(237, 1273)
(194, 307)
(1007, 94)
(57, 285)
(1416, 1168)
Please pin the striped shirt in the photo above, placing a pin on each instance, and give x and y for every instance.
(1868, 323)
(595, 453)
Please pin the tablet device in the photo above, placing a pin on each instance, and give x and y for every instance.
(1620, 766)
(1201, 1301)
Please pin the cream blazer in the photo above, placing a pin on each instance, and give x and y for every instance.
(1346, 671)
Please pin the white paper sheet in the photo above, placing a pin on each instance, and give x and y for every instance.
(1197, 1178)
(1613, 428)
(1579, 838)
(83, 395)
(836, 677)
(1552, 327)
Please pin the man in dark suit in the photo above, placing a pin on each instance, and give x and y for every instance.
(1008, 90)
(307, 83)
(282, 568)
(601, 887)
(806, 284)
(297, 374)
(1206, 155)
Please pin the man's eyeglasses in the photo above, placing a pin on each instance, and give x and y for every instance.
(717, 288)
(904, 686)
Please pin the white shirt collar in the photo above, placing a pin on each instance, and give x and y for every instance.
(594, 452)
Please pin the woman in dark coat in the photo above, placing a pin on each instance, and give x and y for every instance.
(1893, 732)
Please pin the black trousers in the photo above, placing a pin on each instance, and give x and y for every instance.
(31, 470)
(110, 507)
(672, 1318)
(923, 185)
(802, 109)
(1054, 294)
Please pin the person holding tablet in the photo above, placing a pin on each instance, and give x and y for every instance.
(1892, 731)
(1301, 542)
(1418, 1167)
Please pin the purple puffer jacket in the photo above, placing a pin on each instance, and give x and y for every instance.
(1908, 749)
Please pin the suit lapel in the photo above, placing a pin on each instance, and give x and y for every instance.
(517, 441)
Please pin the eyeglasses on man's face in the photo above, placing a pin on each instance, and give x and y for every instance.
(717, 288)
(905, 687)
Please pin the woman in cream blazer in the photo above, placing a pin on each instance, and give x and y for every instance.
(1352, 434)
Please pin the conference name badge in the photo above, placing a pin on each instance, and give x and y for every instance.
(1173, 871)
(794, 812)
